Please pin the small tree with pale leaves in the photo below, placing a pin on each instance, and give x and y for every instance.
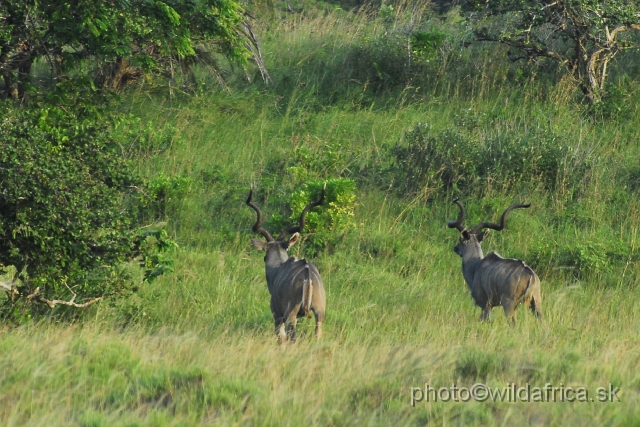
(584, 36)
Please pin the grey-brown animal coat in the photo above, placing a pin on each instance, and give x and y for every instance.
(492, 280)
(295, 285)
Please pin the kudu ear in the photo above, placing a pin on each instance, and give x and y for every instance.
(259, 244)
(482, 236)
(465, 234)
(293, 239)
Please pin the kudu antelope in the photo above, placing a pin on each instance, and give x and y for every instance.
(294, 284)
(493, 280)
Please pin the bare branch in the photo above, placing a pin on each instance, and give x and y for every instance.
(253, 44)
(55, 302)
(622, 29)
(531, 51)
(35, 296)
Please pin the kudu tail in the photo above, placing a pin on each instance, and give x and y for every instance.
(531, 297)
(526, 297)
(307, 294)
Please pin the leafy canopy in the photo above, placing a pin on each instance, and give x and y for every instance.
(582, 35)
(140, 33)
(68, 204)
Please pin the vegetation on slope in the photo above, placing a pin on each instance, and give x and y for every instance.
(197, 346)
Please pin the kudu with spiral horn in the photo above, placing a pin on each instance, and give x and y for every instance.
(493, 280)
(295, 285)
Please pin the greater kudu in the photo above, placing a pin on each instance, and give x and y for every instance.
(294, 284)
(493, 280)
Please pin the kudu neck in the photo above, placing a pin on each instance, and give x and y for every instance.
(273, 260)
(470, 260)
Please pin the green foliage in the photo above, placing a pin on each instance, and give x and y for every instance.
(583, 257)
(628, 178)
(424, 44)
(457, 159)
(327, 159)
(331, 219)
(399, 56)
(445, 160)
(583, 36)
(387, 14)
(398, 312)
(163, 190)
(64, 224)
(153, 246)
(614, 105)
(381, 62)
(142, 34)
(335, 214)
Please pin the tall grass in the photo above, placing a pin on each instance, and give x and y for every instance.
(197, 347)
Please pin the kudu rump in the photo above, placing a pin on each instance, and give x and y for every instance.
(493, 280)
(294, 284)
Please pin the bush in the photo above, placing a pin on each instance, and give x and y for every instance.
(614, 105)
(583, 258)
(383, 62)
(335, 214)
(406, 52)
(329, 220)
(446, 160)
(66, 208)
(459, 160)
(162, 190)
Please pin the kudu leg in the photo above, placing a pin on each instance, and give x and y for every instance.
(509, 306)
(280, 330)
(486, 313)
(319, 319)
(292, 321)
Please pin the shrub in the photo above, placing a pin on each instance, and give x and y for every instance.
(164, 189)
(400, 55)
(425, 44)
(335, 214)
(458, 159)
(446, 160)
(585, 257)
(331, 219)
(67, 193)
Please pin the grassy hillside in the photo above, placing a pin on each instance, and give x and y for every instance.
(197, 347)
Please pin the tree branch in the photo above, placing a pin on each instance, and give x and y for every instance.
(531, 51)
(35, 296)
(53, 303)
(6, 286)
(622, 29)
(253, 44)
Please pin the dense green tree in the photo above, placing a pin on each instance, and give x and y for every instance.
(68, 207)
(582, 35)
(125, 37)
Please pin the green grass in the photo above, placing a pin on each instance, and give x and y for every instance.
(197, 347)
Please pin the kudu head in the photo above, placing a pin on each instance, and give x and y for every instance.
(276, 249)
(470, 240)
